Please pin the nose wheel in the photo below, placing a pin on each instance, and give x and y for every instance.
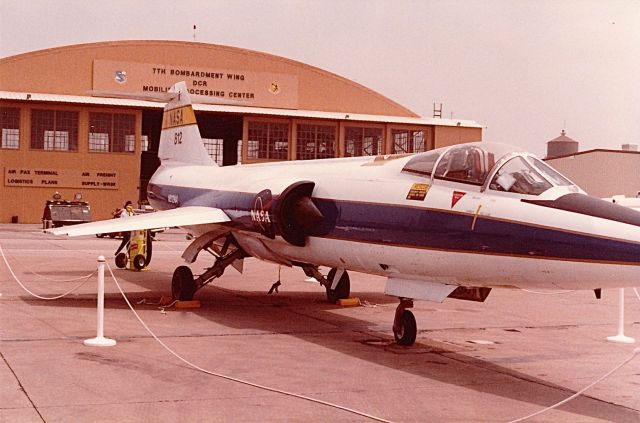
(339, 286)
(405, 328)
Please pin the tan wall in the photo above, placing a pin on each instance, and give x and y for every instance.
(28, 202)
(602, 173)
(69, 70)
(450, 135)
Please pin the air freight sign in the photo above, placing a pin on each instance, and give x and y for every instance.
(60, 178)
(219, 86)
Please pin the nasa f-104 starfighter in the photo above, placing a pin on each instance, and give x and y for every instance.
(452, 222)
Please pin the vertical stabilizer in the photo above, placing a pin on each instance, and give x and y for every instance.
(180, 141)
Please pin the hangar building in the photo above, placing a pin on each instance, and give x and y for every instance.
(85, 119)
(602, 172)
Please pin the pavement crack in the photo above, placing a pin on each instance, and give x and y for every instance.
(26, 394)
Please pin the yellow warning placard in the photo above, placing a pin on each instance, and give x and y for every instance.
(418, 192)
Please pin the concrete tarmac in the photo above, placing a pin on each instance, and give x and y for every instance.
(497, 361)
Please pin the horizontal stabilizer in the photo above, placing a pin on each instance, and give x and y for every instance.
(183, 216)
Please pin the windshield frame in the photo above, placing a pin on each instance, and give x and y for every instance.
(530, 159)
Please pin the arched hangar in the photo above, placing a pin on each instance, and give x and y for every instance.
(82, 120)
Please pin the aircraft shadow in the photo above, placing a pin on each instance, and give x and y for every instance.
(274, 314)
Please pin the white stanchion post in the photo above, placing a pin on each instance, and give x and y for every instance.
(100, 340)
(620, 337)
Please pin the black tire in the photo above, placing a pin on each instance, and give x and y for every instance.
(182, 284)
(99, 235)
(139, 262)
(406, 335)
(343, 289)
(121, 260)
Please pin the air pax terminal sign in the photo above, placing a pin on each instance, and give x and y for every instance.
(226, 86)
(63, 178)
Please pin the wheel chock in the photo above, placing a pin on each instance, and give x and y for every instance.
(348, 302)
(188, 304)
(165, 301)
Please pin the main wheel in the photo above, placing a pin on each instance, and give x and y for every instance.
(182, 284)
(405, 332)
(121, 260)
(139, 262)
(342, 289)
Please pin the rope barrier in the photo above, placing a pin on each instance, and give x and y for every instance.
(291, 394)
(244, 382)
(57, 297)
(51, 279)
(580, 392)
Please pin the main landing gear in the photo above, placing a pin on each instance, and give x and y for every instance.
(337, 282)
(404, 324)
(338, 287)
(184, 285)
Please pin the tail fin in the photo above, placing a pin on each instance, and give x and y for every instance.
(180, 141)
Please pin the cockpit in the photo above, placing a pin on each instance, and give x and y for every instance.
(498, 167)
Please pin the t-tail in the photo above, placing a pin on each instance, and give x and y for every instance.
(180, 140)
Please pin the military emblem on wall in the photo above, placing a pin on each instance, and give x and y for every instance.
(121, 76)
(274, 88)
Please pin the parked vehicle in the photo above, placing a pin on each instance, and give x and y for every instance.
(64, 212)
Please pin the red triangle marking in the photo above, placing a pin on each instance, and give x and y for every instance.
(457, 195)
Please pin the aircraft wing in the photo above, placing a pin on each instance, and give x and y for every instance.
(183, 216)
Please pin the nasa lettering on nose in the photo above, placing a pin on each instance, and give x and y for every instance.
(260, 216)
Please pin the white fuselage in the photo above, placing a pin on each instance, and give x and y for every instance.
(495, 239)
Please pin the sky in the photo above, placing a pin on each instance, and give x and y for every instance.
(523, 69)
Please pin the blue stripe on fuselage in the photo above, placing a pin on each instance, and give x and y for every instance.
(414, 227)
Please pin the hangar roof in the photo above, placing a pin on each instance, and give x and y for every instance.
(152, 65)
(236, 109)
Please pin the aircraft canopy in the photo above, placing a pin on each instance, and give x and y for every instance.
(474, 163)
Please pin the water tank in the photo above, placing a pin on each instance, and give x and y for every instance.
(561, 146)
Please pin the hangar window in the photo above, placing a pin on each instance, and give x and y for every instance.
(268, 140)
(409, 140)
(10, 124)
(360, 141)
(114, 132)
(214, 148)
(315, 141)
(54, 130)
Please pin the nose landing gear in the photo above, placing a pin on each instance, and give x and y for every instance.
(404, 324)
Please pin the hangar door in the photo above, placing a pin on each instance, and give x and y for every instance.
(221, 135)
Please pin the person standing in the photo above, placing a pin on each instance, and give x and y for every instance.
(126, 235)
